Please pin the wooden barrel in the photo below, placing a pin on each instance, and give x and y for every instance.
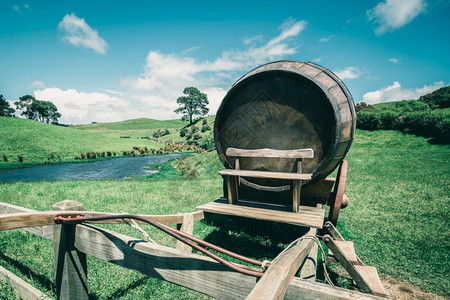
(286, 105)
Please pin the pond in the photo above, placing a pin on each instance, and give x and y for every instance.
(116, 168)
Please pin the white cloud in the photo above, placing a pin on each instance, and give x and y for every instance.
(395, 92)
(348, 73)
(153, 93)
(393, 14)
(252, 40)
(18, 8)
(166, 75)
(81, 108)
(394, 60)
(186, 51)
(37, 84)
(326, 39)
(78, 33)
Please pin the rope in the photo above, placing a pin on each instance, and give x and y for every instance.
(316, 240)
(136, 226)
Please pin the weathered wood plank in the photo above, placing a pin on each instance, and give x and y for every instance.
(348, 266)
(187, 227)
(266, 174)
(271, 153)
(307, 216)
(232, 188)
(277, 278)
(296, 190)
(190, 270)
(70, 263)
(35, 218)
(25, 290)
(43, 231)
(309, 268)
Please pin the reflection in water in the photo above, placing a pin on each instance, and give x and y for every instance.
(117, 168)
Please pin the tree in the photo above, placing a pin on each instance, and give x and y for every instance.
(193, 104)
(24, 104)
(5, 110)
(39, 110)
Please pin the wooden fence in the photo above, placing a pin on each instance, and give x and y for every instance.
(196, 272)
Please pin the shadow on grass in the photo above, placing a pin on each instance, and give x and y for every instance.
(121, 292)
(253, 238)
(26, 271)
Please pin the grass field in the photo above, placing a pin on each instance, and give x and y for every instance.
(38, 142)
(139, 128)
(397, 217)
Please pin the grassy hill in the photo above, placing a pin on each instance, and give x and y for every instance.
(38, 142)
(144, 128)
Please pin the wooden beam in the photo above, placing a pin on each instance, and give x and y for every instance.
(190, 270)
(186, 227)
(43, 231)
(70, 263)
(25, 290)
(307, 216)
(36, 218)
(272, 153)
(266, 174)
(277, 278)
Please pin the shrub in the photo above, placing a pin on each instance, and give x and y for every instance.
(368, 121)
(443, 128)
(193, 173)
(422, 123)
(20, 157)
(82, 156)
(389, 120)
(205, 127)
(160, 133)
(108, 153)
(5, 158)
(183, 167)
(207, 142)
(183, 132)
(197, 136)
(91, 155)
(194, 129)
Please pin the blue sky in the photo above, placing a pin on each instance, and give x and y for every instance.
(115, 60)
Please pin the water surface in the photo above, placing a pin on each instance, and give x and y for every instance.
(116, 168)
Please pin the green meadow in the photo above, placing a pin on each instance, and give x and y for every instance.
(38, 143)
(397, 216)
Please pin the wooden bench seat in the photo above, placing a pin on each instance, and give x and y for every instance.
(232, 176)
(266, 174)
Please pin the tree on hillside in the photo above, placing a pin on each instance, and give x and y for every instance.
(39, 110)
(5, 110)
(193, 104)
(439, 98)
(24, 104)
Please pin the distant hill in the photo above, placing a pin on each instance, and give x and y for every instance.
(135, 124)
(40, 142)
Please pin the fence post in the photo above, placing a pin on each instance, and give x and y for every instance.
(70, 264)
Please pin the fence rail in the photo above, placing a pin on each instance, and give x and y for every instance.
(187, 269)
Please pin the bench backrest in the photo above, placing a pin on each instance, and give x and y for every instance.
(271, 153)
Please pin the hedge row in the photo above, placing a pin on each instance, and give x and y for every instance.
(433, 124)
